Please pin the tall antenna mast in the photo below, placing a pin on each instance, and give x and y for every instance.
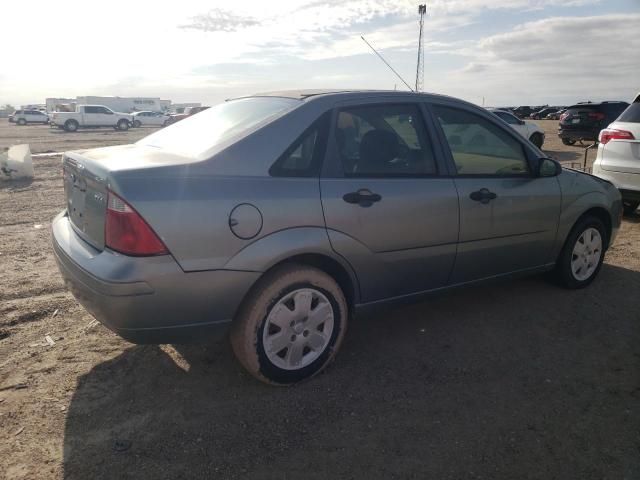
(422, 10)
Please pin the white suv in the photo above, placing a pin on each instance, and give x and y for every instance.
(618, 158)
(22, 117)
(529, 130)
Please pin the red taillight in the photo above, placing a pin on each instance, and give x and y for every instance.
(613, 134)
(596, 115)
(126, 231)
(563, 116)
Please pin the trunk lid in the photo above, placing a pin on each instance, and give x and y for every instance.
(86, 196)
(88, 173)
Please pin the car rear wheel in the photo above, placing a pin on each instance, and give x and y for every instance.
(71, 125)
(568, 141)
(123, 125)
(629, 207)
(583, 253)
(537, 139)
(291, 325)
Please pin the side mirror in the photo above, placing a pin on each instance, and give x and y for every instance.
(548, 167)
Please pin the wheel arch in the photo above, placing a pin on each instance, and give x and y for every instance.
(598, 212)
(302, 245)
(332, 267)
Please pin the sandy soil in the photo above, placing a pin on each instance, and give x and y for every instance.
(514, 380)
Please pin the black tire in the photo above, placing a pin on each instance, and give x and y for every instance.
(122, 125)
(537, 139)
(247, 333)
(568, 141)
(71, 126)
(564, 272)
(629, 207)
(22, 122)
(137, 124)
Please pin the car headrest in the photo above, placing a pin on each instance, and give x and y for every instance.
(378, 148)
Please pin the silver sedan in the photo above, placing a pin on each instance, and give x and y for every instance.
(278, 217)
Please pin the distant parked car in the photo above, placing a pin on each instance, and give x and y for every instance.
(583, 121)
(523, 111)
(528, 130)
(618, 158)
(556, 115)
(91, 116)
(275, 218)
(542, 114)
(149, 119)
(187, 113)
(23, 117)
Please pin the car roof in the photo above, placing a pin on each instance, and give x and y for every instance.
(352, 94)
(597, 104)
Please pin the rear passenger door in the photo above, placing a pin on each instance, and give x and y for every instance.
(388, 209)
(508, 215)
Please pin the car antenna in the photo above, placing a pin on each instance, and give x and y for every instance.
(386, 63)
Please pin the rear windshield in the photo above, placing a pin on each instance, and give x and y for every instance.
(197, 136)
(631, 114)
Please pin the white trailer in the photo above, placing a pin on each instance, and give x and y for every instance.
(124, 104)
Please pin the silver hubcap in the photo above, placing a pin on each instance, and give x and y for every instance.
(586, 254)
(298, 329)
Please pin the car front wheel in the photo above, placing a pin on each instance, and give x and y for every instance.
(291, 325)
(583, 253)
(137, 124)
(123, 125)
(568, 141)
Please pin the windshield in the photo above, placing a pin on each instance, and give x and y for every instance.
(198, 135)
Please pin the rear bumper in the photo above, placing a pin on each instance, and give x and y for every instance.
(577, 134)
(148, 299)
(627, 183)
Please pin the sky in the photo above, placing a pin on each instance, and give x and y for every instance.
(512, 52)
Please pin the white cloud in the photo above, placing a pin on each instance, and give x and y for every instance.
(126, 47)
(575, 58)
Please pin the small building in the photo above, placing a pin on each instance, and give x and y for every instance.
(165, 105)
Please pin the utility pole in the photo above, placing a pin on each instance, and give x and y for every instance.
(422, 10)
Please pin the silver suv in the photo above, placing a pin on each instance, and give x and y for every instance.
(282, 215)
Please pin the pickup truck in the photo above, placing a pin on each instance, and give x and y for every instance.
(90, 116)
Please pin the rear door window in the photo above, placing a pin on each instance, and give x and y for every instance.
(384, 141)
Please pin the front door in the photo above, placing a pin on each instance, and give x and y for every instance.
(387, 208)
(508, 215)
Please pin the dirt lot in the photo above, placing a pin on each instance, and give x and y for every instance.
(518, 380)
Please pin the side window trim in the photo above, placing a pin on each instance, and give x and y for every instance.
(322, 125)
(530, 158)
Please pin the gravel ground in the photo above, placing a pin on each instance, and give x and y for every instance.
(516, 380)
